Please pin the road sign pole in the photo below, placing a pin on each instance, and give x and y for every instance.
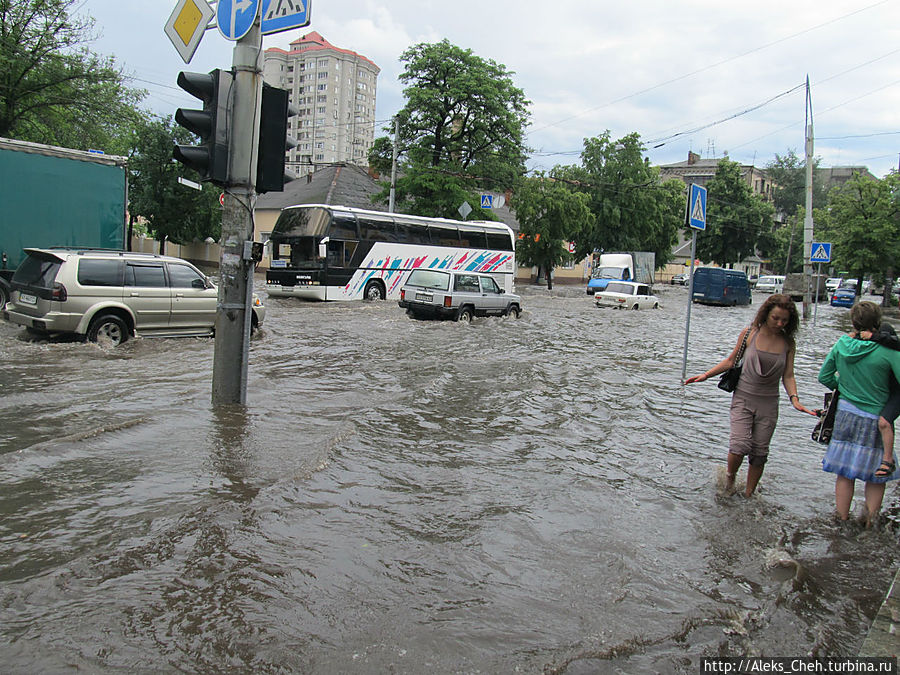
(233, 313)
(816, 301)
(687, 323)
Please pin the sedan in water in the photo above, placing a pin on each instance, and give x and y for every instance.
(843, 297)
(626, 295)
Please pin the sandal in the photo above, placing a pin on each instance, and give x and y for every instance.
(885, 470)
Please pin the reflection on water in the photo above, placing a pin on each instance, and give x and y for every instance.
(537, 494)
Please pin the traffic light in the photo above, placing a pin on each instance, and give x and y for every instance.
(273, 140)
(210, 157)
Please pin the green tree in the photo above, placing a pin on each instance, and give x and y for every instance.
(632, 209)
(52, 88)
(550, 214)
(736, 219)
(862, 221)
(173, 211)
(788, 174)
(461, 131)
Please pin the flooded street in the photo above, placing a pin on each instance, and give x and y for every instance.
(531, 495)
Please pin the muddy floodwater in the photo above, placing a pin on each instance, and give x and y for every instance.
(537, 495)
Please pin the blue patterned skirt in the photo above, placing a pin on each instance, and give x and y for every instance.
(855, 450)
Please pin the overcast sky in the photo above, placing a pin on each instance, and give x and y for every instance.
(673, 71)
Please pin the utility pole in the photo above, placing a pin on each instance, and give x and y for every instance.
(394, 163)
(808, 217)
(233, 314)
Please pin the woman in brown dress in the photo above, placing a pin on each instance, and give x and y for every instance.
(768, 359)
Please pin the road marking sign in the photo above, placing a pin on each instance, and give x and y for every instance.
(487, 201)
(186, 26)
(281, 15)
(697, 207)
(821, 252)
(235, 17)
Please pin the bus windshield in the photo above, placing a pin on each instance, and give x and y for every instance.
(302, 223)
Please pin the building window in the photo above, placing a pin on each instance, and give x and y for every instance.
(323, 63)
(320, 158)
(321, 109)
(323, 75)
(322, 87)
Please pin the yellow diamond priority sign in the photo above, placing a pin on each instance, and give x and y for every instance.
(187, 24)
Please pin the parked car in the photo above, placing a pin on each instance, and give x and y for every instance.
(626, 295)
(773, 283)
(105, 295)
(430, 293)
(718, 286)
(833, 284)
(843, 297)
(682, 279)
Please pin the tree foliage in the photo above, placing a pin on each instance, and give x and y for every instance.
(863, 223)
(632, 209)
(461, 131)
(550, 214)
(53, 89)
(172, 210)
(737, 221)
(788, 173)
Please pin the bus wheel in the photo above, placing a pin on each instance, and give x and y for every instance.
(374, 291)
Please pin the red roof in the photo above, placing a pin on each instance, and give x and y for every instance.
(313, 41)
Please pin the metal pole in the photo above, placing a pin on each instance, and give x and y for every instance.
(687, 323)
(816, 301)
(808, 217)
(233, 313)
(394, 164)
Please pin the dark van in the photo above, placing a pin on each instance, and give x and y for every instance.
(718, 286)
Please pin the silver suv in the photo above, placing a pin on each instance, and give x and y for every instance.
(456, 295)
(111, 295)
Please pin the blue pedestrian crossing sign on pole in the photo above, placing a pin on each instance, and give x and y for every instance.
(821, 252)
(235, 17)
(697, 207)
(282, 15)
(487, 201)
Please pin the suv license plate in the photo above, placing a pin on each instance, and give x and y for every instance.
(27, 299)
(424, 297)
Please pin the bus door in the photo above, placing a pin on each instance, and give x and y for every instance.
(338, 258)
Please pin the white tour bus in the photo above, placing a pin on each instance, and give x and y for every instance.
(322, 252)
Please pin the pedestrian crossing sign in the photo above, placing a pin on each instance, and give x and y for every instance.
(697, 207)
(821, 252)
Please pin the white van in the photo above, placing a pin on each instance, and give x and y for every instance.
(771, 284)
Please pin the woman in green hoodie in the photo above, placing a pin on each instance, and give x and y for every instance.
(861, 371)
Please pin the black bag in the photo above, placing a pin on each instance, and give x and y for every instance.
(729, 379)
(825, 425)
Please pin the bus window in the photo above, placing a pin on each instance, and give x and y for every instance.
(499, 241)
(443, 234)
(472, 237)
(412, 232)
(343, 226)
(377, 228)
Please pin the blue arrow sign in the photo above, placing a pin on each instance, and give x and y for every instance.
(282, 15)
(821, 252)
(235, 17)
(697, 207)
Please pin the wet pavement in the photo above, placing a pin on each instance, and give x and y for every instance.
(531, 495)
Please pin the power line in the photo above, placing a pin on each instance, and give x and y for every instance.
(711, 66)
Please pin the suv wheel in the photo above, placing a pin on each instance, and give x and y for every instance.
(374, 291)
(465, 315)
(108, 329)
(4, 297)
(513, 311)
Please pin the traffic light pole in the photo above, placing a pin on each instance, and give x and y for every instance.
(233, 313)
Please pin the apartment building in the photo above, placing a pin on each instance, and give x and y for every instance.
(701, 171)
(334, 90)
